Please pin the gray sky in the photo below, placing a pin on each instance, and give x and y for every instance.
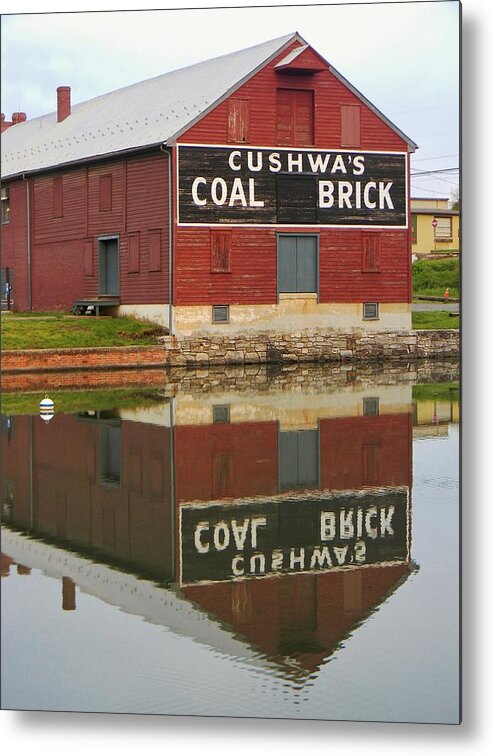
(403, 56)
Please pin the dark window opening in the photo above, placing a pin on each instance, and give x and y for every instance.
(110, 454)
(109, 267)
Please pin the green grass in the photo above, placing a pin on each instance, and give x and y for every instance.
(439, 391)
(434, 320)
(80, 401)
(56, 331)
(432, 277)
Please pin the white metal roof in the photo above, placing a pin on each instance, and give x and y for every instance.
(151, 112)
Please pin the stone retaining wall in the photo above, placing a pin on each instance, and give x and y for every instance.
(330, 347)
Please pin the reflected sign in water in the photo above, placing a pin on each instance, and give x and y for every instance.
(266, 524)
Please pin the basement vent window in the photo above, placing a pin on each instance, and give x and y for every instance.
(370, 311)
(220, 313)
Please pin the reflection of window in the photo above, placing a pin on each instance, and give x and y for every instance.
(5, 199)
(297, 263)
(298, 459)
(371, 465)
(110, 454)
(443, 231)
(222, 475)
(370, 405)
(220, 413)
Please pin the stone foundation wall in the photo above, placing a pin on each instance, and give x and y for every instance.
(333, 347)
(189, 352)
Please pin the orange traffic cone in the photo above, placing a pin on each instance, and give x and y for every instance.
(446, 294)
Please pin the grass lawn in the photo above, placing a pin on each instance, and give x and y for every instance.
(80, 401)
(57, 331)
(438, 391)
(432, 277)
(434, 320)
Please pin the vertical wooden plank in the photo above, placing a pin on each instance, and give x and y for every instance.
(154, 242)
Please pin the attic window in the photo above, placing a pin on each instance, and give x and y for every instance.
(238, 120)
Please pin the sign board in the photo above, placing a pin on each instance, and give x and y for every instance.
(434, 223)
(223, 542)
(258, 186)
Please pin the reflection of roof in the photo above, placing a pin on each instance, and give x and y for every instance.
(130, 593)
(146, 114)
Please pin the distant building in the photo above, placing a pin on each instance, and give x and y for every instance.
(256, 191)
(428, 238)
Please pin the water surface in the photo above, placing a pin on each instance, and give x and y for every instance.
(274, 544)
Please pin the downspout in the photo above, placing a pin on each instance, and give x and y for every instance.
(28, 244)
(164, 149)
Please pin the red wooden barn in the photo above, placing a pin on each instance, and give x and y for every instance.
(255, 191)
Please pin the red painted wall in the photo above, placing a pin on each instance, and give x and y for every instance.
(131, 522)
(252, 279)
(252, 453)
(62, 268)
(300, 616)
(14, 243)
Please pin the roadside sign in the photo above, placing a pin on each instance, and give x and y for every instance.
(434, 223)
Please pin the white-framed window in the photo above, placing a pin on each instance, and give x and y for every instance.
(220, 313)
(443, 229)
(370, 311)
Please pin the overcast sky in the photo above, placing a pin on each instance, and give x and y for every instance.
(403, 56)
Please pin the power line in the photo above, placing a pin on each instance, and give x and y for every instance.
(439, 170)
(437, 157)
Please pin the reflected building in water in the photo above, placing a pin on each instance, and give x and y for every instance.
(281, 518)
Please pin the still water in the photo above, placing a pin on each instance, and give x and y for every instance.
(257, 544)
